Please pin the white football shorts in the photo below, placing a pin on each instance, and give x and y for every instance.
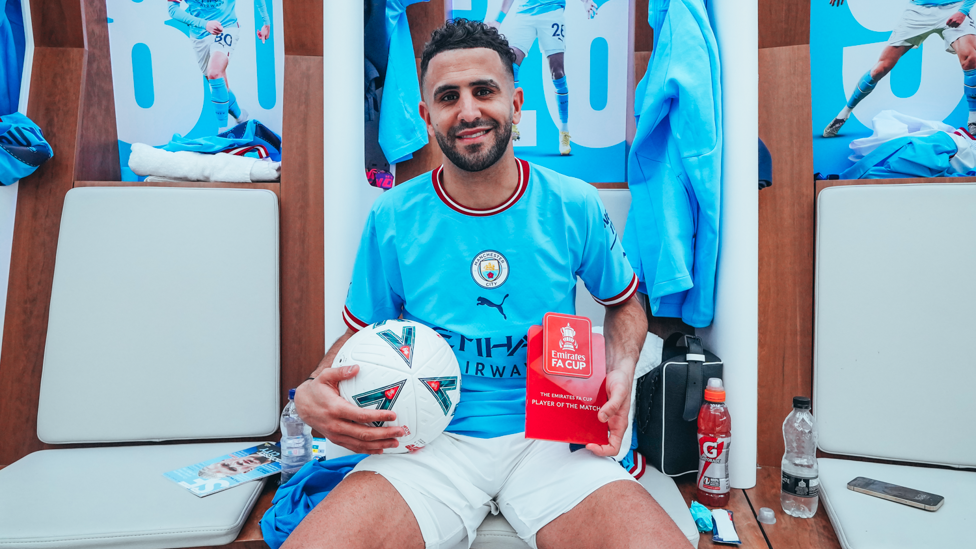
(224, 42)
(521, 30)
(455, 481)
(919, 22)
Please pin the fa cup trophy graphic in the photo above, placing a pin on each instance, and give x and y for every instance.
(568, 342)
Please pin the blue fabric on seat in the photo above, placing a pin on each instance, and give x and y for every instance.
(907, 157)
(296, 498)
(244, 134)
(22, 148)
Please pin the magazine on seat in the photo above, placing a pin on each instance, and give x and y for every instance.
(220, 473)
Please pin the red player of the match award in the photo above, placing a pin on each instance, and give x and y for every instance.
(566, 381)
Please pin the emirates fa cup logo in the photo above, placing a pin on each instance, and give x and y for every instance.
(568, 342)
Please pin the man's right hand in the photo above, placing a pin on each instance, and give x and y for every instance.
(494, 24)
(214, 27)
(321, 406)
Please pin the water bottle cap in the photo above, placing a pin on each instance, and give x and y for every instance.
(802, 403)
(715, 390)
(291, 394)
(766, 516)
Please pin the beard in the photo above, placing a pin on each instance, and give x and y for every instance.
(479, 156)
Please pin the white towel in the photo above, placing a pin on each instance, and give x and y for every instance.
(192, 166)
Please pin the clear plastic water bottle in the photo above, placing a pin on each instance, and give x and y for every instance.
(800, 491)
(296, 440)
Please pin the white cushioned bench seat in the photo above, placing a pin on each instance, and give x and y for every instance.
(163, 325)
(867, 522)
(117, 497)
(893, 375)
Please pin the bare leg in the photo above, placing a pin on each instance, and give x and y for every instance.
(218, 66)
(556, 66)
(966, 52)
(887, 61)
(620, 515)
(364, 511)
(519, 56)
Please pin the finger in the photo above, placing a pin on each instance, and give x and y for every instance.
(360, 447)
(346, 411)
(335, 375)
(365, 433)
(605, 450)
(612, 406)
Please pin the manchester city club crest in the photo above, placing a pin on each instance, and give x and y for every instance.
(489, 269)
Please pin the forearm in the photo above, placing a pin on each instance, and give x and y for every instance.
(263, 12)
(333, 351)
(506, 5)
(625, 329)
(968, 6)
(183, 17)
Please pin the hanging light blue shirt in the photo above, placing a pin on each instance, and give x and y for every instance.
(402, 131)
(675, 165)
(966, 6)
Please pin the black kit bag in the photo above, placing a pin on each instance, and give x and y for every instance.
(668, 400)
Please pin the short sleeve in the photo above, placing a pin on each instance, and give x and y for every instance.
(371, 296)
(604, 267)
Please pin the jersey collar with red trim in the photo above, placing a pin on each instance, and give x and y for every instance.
(523, 183)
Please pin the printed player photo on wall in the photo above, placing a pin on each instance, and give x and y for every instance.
(186, 71)
(893, 88)
(572, 58)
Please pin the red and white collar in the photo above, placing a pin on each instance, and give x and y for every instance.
(523, 182)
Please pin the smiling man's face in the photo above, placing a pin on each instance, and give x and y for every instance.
(469, 105)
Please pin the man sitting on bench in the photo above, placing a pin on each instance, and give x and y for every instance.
(420, 257)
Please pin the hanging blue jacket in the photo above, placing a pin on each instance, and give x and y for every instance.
(674, 169)
(11, 54)
(402, 131)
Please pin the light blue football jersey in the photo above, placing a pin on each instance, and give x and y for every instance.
(965, 7)
(536, 7)
(481, 278)
(211, 10)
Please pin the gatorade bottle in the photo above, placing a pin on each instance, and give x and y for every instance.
(714, 437)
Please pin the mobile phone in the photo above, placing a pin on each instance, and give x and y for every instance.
(898, 494)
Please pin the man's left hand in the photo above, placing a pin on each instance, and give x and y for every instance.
(615, 413)
(264, 33)
(590, 7)
(957, 19)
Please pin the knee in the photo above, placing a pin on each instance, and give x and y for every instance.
(557, 71)
(881, 70)
(213, 74)
(968, 61)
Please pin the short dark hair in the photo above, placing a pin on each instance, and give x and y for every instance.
(461, 34)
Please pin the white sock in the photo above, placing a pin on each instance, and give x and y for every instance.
(972, 117)
(845, 113)
(564, 127)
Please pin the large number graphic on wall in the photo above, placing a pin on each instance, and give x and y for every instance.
(853, 46)
(574, 76)
(193, 68)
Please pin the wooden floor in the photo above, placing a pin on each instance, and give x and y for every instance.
(787, 533)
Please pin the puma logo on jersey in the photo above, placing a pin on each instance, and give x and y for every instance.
(485, 301)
